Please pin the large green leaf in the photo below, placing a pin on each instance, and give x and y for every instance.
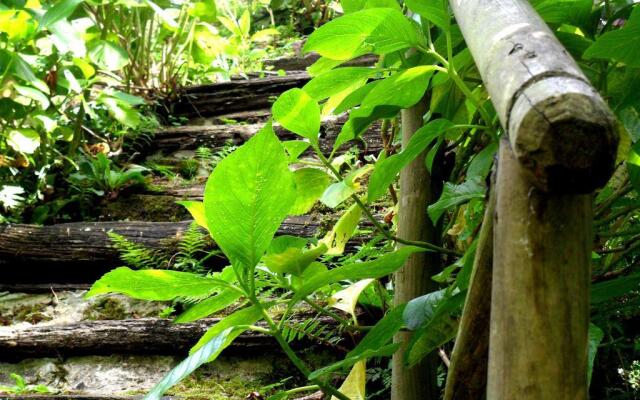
(335, 81)
(453, 195)
(59, 11)
(18, 25)
(619, 45)
(430, 316)
(247, 197)
(375, 269)
(108, 55)
(196, 209)
(298, 112)
(310, 184)
(154, 284)
(432, 10)
(573, 12)
(400, 90)
(610, 289)
(204, 354)
(375, 30)
(246, 316)
(209, 306)
(595, 337)
(293, 260)
(386, 170)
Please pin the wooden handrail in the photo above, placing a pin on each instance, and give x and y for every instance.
(559, 127)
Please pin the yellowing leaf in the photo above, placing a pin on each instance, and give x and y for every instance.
(196, 209)
(338, 237)
(347, 299)
(354, 386)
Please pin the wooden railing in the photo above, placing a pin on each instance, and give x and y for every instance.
(523, 333)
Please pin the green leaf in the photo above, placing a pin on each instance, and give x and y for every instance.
(154, 284)
(18, 25)
(375, 30)
(335, 81)
(382, 266)
(122, 112)
(379, 351)
(619, 45)
(24, 140)
(310, 185)
(246, 316)
(431, 10)
(59, 11)
(196, 209)
(209, 306)
(400, 90)
(204, 10)
(335, 194)
(386, 169)
(247, 197)
(204, 354)
(481, 163)
(293, 260)
(595, 337)
(433, 313)
(573, 12)
(337, 238)
(609, 290)
(108, 55)
(633, 166)
(296, 111)
(23, 70)
(33, 94)
(453, 195)
(295, 148)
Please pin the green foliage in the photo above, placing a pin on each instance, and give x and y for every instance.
(135, 254)
(21, 387)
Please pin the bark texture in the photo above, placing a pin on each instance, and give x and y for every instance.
(559, 127)
(467, 376)
(190, 137)
(540, 291)
(414, 279)
(135, 336)
(233, 96)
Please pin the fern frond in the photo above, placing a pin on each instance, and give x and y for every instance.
(136, 255)
(313, 329)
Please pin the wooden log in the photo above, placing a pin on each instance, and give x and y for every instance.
(302, 62)
(559, 127)
(190, 137)
(414, 278)
(82, 251)
(467, 376)
(157, 336)
(540, 291)
(233, 96)
(134, 336)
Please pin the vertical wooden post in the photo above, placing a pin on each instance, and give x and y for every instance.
(414, 279)
(540, 296)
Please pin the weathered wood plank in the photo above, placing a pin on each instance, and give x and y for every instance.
(233, 96)
(135, 336)
(559, 127)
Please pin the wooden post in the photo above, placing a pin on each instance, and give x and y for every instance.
(414, 279)
(540, 296)
(560, 146)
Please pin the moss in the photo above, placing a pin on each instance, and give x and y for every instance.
(144, 207)
(31, 313)
(106, 309)
(202, 387)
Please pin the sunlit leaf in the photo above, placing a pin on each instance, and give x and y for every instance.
(24, 140)
(347, 299)
(354, 386)
(196, 209)
(296, 111)
(337, 238)
(108, 55)
(310, 184)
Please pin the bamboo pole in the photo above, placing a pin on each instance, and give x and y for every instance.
(540, 291)
(414, 279)
(559, 127)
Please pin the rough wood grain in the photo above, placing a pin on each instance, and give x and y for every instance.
(467, 376)
(414, 278)
(190, 137)
(136, 336)
(82, 251)
(233, 96)
(540, 290)
(558, 125)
